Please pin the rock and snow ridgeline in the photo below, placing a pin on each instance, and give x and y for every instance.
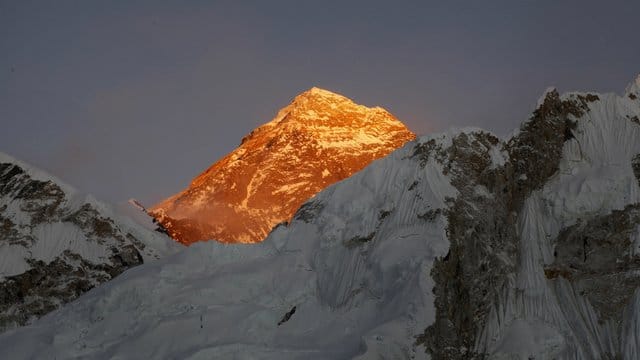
(56, 244)
(459, 245)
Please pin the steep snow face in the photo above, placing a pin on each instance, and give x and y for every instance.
(318, 139)
(56, 243)
(348, 277)
(551, 237)
(578, 272)
(457, 246)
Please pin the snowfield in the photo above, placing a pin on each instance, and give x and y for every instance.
(352, 276)
(352, 296)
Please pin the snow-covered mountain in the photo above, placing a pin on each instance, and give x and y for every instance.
(56, 244)
(459, 245)
(318, 139)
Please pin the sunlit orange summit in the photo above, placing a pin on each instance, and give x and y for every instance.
(317, 140)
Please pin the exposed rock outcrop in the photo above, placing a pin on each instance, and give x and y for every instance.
(601, 258)
(483, 221)
(56, 245)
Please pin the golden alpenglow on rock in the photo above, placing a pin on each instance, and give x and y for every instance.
(318, 139)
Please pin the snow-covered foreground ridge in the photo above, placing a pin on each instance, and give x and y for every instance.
(458, 245)
(56, 243)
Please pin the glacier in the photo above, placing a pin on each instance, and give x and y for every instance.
(459, 245)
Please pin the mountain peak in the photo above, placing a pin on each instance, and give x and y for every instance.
(518, 248)
(316, 95)
(57, 243)
(318, 139)
(633, 89)
(316, 91)
(321, 108)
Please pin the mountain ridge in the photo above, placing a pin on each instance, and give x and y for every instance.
(319, 138)
(57, 243)
(459, 245)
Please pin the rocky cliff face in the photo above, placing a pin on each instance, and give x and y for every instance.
(317, 140)
(56, 245)
(460, 245)
(483, 228)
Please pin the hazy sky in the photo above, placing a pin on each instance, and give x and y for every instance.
(134, 98)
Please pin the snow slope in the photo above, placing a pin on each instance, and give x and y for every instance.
(458, 245)
(356, 271)
(55, 242)
(547, 318)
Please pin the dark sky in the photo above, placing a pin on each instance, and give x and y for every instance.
(134, 98)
